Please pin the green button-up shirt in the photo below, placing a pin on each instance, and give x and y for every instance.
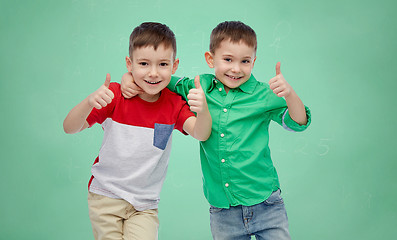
(235, 160)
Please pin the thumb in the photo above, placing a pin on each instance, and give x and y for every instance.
(197, 82)
(278, 72)
(107, 81)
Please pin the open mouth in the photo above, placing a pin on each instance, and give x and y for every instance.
(233, 77)
(153, 83)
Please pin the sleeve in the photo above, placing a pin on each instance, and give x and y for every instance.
(183, 115)
(181, 85)
(279, 114)
(100, 115)
(289, 124)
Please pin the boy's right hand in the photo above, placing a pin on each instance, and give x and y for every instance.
(128, 87)
(101, 97)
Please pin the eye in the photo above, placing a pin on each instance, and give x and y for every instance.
(164, 64)
(246, 61)
(227, 59)
(143, 63)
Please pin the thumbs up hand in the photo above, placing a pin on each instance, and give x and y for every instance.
(101, 97)
(279, 85)
(196, 98)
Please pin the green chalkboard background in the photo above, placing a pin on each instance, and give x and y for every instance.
(338, 177)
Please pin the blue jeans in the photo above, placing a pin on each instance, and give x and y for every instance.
(266, 220)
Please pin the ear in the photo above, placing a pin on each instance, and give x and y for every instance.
(128, 63)
(175, 65)
(209, 58)
(253, 62)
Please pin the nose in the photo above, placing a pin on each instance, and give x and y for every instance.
(153, 72)
(236, 68)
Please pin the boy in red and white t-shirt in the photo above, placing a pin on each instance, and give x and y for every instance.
(129, 172)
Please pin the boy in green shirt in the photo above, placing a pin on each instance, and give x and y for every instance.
(239, 179)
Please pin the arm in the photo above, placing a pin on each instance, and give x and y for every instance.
(75, 121)
(129, 89)
(295, 106)
(181, 86)
(200, 127)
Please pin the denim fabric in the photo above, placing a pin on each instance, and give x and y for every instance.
(266, 221)
(162, 133)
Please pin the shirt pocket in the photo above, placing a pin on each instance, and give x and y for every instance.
(162, 133)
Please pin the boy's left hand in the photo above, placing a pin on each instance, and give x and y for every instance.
(129, 88)
(196, 97)
(279, 85)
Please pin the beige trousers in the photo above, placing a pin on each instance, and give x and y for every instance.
(117, 219)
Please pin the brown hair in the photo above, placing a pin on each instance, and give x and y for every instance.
(235, 31)
(152, 34)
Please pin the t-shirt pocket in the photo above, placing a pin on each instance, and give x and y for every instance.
(162, 133)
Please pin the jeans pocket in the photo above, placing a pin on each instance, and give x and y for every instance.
(162, 133)
(274, 198)
(93, 196)
(215, 209)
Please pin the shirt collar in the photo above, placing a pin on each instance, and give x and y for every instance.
(247, 87)
(213, 84)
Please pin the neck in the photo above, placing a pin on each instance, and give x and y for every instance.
(149, 97)
(226, 89)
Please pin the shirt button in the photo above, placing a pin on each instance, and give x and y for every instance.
(222, 135)
(216, 81)
(220, 89)
(227, 185)
(223, 160)
(225, 110)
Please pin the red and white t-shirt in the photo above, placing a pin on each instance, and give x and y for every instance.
(133, 158)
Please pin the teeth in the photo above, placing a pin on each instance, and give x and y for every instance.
(233, 77)
(152, 82)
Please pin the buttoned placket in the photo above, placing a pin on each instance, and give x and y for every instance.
(223, 140)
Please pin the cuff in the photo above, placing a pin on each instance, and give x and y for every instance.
(174, 81)
(291, 125)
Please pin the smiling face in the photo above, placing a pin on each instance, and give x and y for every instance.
(152, 69)
(232, 62)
